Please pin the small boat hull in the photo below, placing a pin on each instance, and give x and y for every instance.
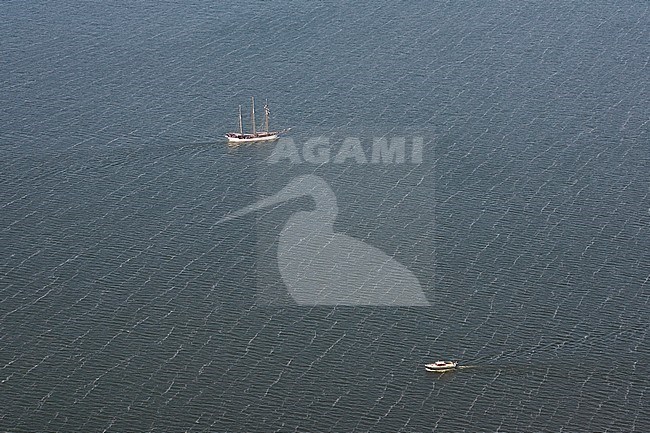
(441, 366)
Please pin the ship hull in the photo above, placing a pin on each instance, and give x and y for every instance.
(251, 139)
(441, 367)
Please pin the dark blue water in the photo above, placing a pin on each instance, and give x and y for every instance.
(125, 307)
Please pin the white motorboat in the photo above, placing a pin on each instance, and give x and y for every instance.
(441, 366)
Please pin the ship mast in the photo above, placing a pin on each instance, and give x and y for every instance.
(241, 128)
(266, 115)
(253, 113)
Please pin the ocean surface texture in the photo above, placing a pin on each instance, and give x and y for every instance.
(127, 304)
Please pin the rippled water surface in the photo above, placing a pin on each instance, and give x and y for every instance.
(126, 306)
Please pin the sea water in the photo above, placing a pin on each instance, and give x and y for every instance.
(124, 306)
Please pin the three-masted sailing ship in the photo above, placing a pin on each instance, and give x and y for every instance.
(254, 136)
